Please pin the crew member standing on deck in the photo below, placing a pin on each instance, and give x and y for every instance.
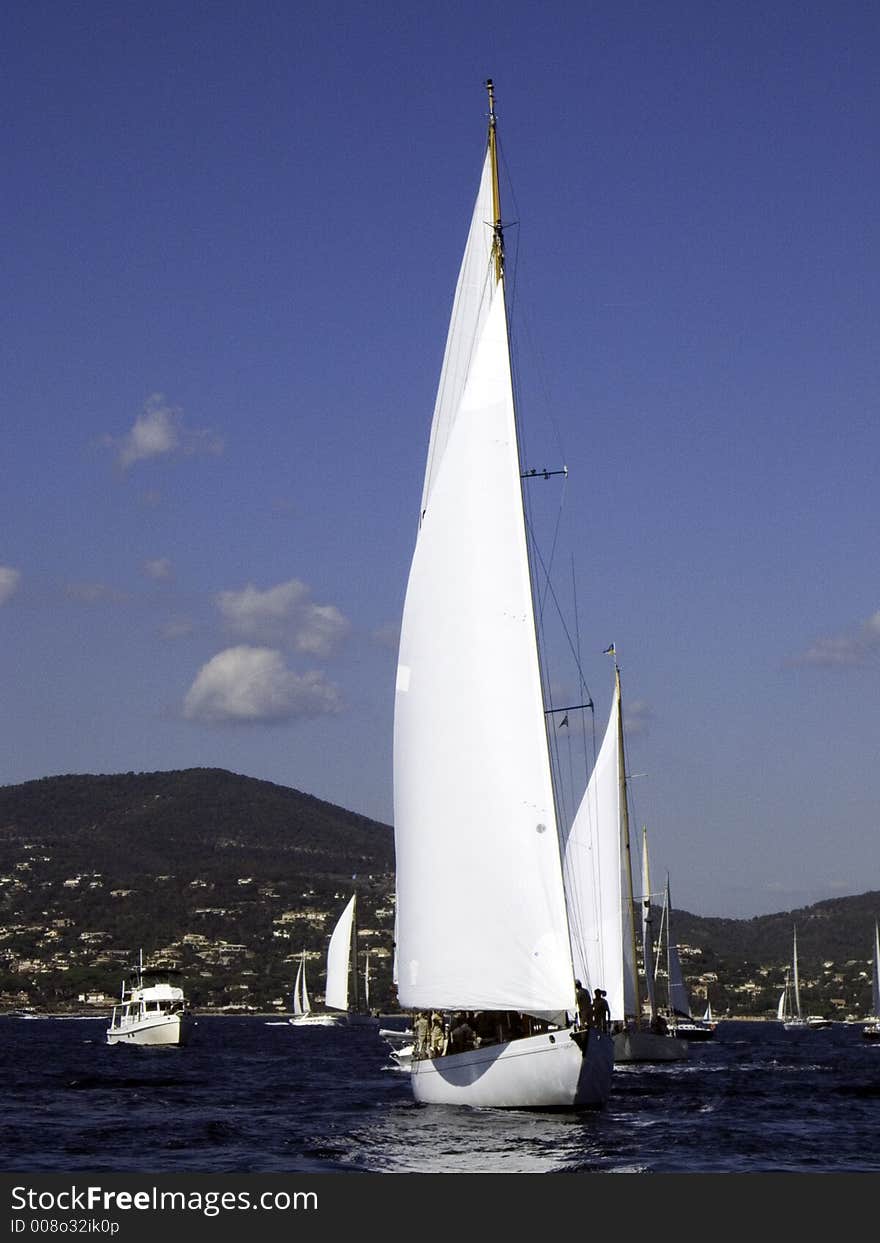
(600, 1010)
(584, 1005)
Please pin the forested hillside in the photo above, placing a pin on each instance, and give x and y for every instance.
(230, 878)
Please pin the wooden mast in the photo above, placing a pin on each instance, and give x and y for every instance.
(498, 238)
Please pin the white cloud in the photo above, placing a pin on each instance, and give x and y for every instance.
(159, 431)
(856, 647)
(284, 615)
(9, 581)
(158, 568)
(253, 684)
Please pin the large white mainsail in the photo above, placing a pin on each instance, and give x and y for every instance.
(481, 921)
(339, 960)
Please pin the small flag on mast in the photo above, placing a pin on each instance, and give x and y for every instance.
(609, 651)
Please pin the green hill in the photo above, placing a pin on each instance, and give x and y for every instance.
(185, 864)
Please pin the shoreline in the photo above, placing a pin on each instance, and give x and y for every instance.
(283, 1015)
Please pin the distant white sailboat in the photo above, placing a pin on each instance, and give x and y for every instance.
(336, 988)
(682, 1023)
(788, 1011)
(482, 920)
(871, 1030)
(301, 1003)
(342, 971)
(303, 1014)
(658, 1022)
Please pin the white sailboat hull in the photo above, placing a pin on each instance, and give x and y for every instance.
(648, 1047)
(403, 1057)
(318, 1020)
(549, 1071)
(692, 1030)
(334, 1020)
(172, 1029)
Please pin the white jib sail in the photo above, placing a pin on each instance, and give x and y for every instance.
(596, 886)
(297, 993)
(480, 906)
(338, 961)
(306, 1004)
(875, 976)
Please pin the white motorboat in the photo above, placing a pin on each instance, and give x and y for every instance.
(149, 1014)
(788, 1011)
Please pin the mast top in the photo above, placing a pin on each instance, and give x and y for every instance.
(497, 229)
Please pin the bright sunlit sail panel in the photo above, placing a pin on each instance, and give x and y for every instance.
(481, 914)
(306, 1003)
(298, 1007)
(593, 864)
(474, 294)
(339, 960)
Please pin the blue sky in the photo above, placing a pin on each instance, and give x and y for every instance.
(231, 235)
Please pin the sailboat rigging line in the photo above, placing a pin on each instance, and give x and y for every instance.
(497, 263)
(550, 591)
(584, 689)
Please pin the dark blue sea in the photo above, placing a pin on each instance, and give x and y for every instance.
(252, 1096)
